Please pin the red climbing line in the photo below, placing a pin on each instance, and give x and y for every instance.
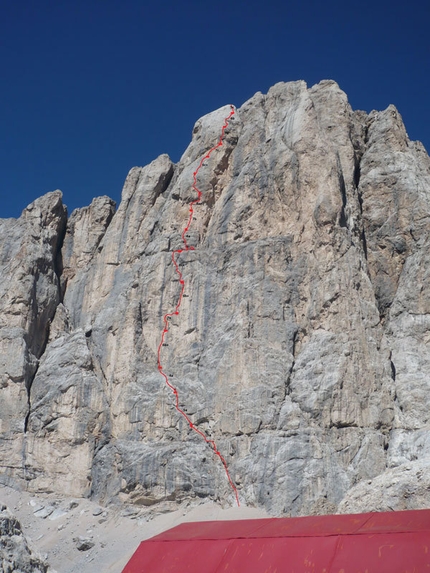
(169, 315)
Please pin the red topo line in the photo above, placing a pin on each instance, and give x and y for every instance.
(168, 316)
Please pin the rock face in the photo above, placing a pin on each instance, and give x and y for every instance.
(29, 296)
(302, 346)
(15, 554)
(403, 487)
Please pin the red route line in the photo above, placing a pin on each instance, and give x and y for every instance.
(168, 316)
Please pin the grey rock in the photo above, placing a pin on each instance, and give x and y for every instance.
(44, 512)
(404, 487)
(36, 506)
(57, 513)
(15, 552)
(59, 442)
(29, 295)
(302, 347)
(83, 543)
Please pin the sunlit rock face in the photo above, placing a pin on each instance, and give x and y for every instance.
(303, 344)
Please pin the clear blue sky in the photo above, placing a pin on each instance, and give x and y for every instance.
(91, 88)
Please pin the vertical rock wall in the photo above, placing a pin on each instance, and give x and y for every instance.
(301, 347)
(29, 296)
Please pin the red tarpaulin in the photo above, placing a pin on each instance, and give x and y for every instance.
(395, 542)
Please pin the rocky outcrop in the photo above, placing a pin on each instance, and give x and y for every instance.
(301, 347)
(15, 553)
(29, 296)
(403, 487)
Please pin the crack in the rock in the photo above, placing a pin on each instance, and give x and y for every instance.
(57, 265)
(342, 217)
(393, 370)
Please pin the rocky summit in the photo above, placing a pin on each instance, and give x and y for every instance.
(302, 346)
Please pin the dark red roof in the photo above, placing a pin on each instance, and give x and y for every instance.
(394, 542)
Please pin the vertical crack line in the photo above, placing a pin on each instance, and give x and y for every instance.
(57, 266)
(58, 261)
(393, 370)
(342, 187)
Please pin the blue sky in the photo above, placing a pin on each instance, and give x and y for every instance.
(91, 88)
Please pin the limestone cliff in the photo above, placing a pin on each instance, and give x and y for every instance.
(302, 346)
